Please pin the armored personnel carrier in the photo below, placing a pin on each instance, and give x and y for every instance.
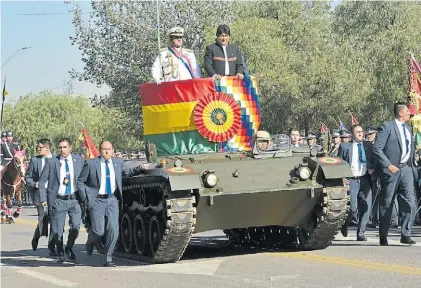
(205, 169)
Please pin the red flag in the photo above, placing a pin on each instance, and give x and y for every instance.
(324, 128)
(91, 150)
(354, 120)
(414, 85)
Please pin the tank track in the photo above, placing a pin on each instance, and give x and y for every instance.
(178, 228)
(328, 217)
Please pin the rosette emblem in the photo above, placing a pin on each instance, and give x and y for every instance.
(217, 117)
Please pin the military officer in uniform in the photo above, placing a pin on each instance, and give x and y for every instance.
(336, 143)
(101, 182)
(63, 196)
(175, 62)
(312, 141)
(345, 136)
(7, 148)
(223, 58)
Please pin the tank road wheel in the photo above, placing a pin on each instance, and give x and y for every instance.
(155, 234)
(140, 236)
(126, 233)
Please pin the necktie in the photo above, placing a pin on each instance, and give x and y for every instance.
(108, 178)
(406, 139)
(68, 187)
(361, 153)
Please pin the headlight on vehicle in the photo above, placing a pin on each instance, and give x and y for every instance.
(303, 173)
(210, 179)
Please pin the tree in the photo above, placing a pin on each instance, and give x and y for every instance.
(119, 44)
(382, 34)
(57, 115)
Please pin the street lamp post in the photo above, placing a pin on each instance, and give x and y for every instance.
(23, 48)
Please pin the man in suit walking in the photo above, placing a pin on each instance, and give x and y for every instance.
(36, 165)
(394, 152)
(359, 155)
(101, 182)
(63, 196)
(222, 58)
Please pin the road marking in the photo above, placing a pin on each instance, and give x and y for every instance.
(284, 277)
(351, 262)
(191, 268)
(374, 240)
(46, 277)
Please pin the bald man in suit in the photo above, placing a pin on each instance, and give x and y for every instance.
(101, 182)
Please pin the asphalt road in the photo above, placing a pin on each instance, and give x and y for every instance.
(210, 262)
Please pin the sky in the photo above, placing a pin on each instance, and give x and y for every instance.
(46, 64)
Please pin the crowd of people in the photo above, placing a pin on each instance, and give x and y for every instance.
(386, 183)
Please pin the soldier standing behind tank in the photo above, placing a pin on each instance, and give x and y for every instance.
(336, 143)
(359, 155)
(312, 141)
(175, 62)
(345, 136)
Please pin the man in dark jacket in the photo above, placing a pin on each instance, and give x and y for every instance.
(222, 58)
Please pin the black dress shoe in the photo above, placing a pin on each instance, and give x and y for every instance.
(60, 258)
(361, 238)
(109, 264)
(89, 249)
(383, 241)
(407, 240)
(344, 231)
(70, 254)
(52, 252)
(34, 243)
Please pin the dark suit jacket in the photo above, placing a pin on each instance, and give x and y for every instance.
(345, 152)
(32, 177)
(387, 147)
(51, 173)
(214, 62)
(90, 179)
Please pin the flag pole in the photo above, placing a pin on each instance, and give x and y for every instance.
(3, 97)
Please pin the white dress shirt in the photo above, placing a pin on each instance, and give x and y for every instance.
(227, 66)
(357, 168)
(102, 189)
(43, 164)
(62, 187)
(405, 153)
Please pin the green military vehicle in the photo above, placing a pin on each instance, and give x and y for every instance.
(193, 181)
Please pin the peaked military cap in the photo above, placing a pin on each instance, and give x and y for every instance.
(9, 133)
(176, 31)
(4, 134)
(311, 135)
(345, 134)
(371, 130)
(335, 133)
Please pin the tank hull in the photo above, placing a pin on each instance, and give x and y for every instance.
(288, 208)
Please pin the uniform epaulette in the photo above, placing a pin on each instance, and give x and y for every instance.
(188, 50)
(163, 49)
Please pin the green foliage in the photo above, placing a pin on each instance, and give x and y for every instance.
(313, 64)
(54, 116)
